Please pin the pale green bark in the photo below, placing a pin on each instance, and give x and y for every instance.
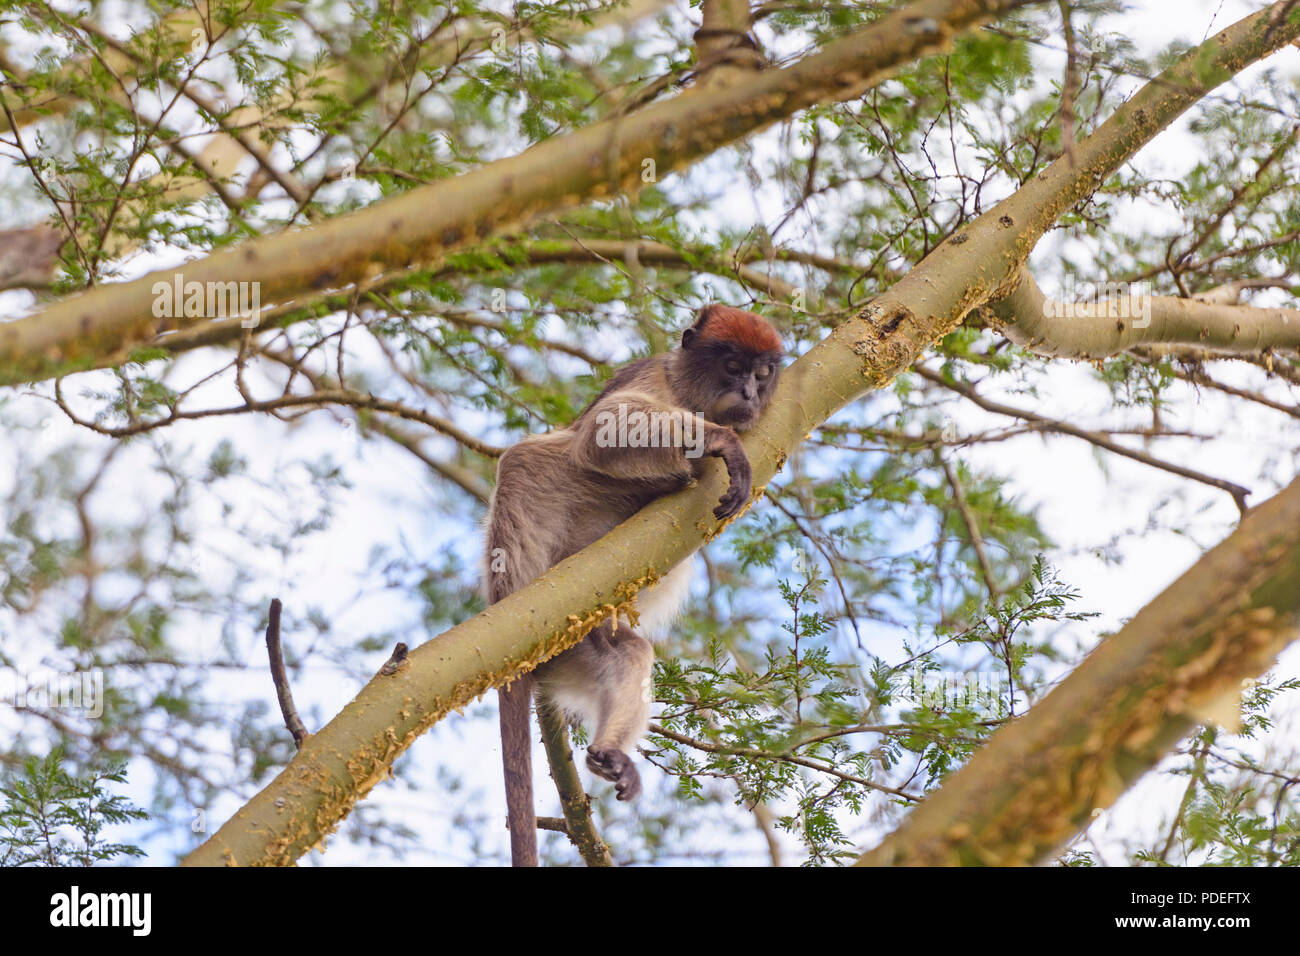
(575, 806)
(526, 253)
(1126, 319)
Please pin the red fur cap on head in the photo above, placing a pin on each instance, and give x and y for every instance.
(742, 329)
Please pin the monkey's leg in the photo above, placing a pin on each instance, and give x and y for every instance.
(606, 681)
(517, 754)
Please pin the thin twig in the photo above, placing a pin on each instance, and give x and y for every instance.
(282, 691)
(972, 527)
(1238, 492)
(754, 753)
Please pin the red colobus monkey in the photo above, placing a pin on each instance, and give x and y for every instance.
(645, 435)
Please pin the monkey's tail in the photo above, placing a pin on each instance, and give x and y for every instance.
(517, 758)
(512, 558)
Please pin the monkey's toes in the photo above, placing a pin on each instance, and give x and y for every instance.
(617, 767)
(629, 785)
(608, 764)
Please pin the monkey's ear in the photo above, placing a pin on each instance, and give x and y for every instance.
(701, 319)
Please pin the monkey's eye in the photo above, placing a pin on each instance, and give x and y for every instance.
(733, 367)
(763, 371)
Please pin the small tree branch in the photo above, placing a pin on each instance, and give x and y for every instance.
(972, 526)
(579, 825)
(1285, 368)
(1237, 491)
(1069, 84)
(1113, 324)
(333, 396)
(281, 679)
(754, 753)
(1198, 377)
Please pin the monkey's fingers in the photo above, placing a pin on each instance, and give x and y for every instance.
(731, 502)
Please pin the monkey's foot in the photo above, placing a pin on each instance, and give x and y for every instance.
(616, 766)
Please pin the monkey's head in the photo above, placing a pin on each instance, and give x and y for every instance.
(728, 365)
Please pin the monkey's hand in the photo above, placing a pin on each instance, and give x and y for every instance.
(724, 444)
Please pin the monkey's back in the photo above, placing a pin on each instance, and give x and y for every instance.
(548, 505)
(533, 523)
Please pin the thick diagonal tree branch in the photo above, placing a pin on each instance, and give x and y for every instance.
(23, 264)
(224, 331)
(1040, 778)
(342, 762)
(425, 224)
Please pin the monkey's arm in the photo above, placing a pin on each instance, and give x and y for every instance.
(635, 435)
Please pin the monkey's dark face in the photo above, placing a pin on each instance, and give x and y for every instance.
(731, 385)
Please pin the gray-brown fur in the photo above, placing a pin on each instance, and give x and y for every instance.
(559, 492)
